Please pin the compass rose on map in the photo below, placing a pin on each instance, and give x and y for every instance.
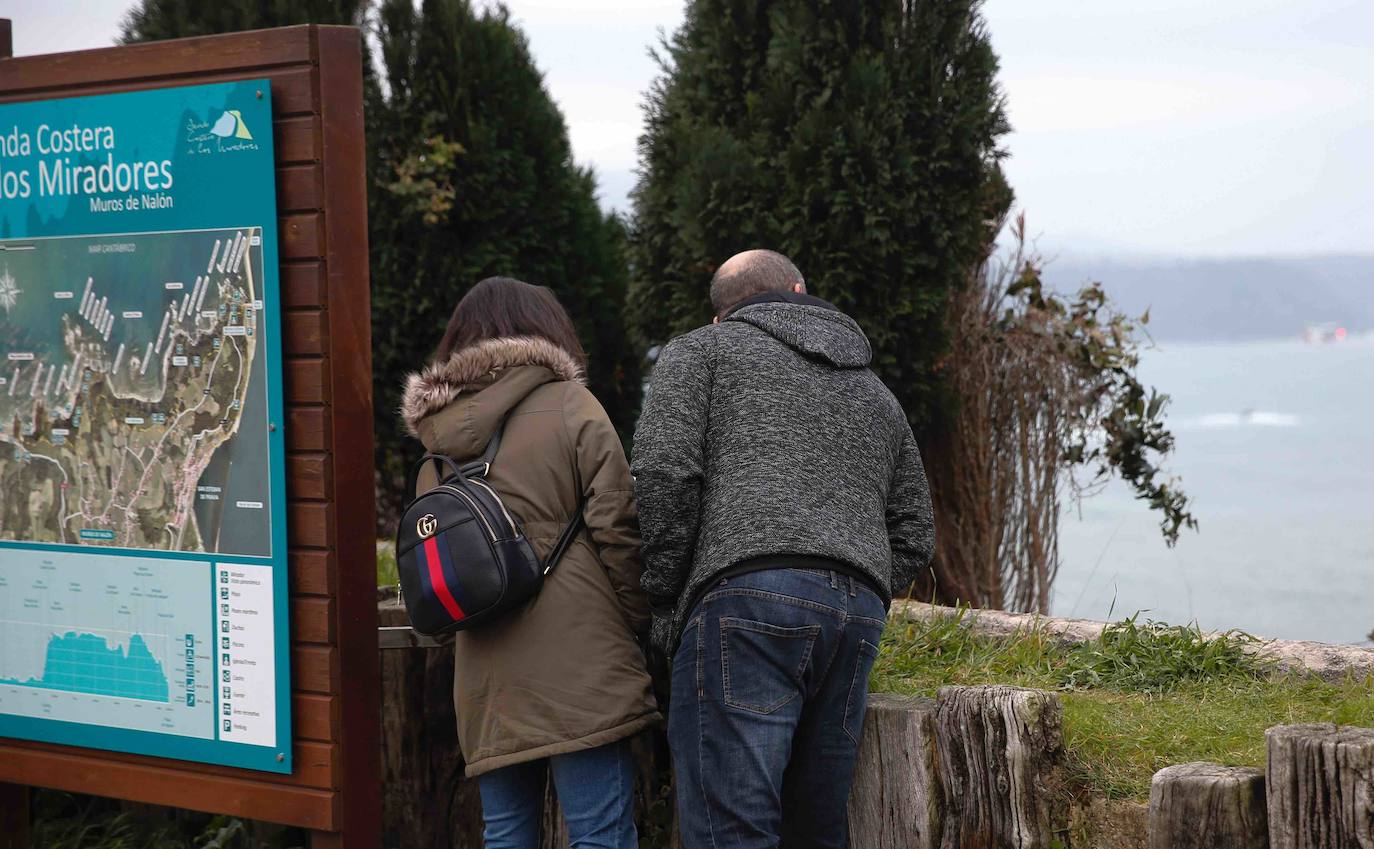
(9, 291)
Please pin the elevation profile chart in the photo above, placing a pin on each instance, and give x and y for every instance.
(93, 646)
(87, 663)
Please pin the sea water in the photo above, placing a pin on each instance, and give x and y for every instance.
(1275, 445)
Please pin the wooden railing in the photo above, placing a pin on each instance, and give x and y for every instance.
(974, 767)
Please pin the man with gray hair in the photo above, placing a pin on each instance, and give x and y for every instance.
(782, 503)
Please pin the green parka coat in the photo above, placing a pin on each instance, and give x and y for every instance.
(566, 671)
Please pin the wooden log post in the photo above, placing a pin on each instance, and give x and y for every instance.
(1320, 786)
(1001, 754)
(426, 802)
(895, 800)
(1205, 805)
(553, 832)
(14, 809)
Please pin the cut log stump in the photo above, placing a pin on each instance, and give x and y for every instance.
(1001, 753)
(1320, 787)
(895, 800)
(553, 832)
(1204, 806)
(14, 816)
(426, 802)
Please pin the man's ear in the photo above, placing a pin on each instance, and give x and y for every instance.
(716, 320)
(799, 288)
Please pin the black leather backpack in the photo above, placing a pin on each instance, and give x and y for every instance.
(463, 558)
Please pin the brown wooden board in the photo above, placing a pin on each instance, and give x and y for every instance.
(315, 74)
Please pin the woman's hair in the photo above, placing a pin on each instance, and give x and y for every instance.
(504, 306)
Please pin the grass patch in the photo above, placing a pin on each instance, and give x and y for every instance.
(1142, 697)
(387, 576)
(69, 821)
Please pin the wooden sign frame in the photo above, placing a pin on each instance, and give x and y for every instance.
(317, 100)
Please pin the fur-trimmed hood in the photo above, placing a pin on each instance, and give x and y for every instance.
(475, 367)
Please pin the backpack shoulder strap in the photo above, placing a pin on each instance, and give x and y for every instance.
(482, 465)
(566, 538)
(472, 469)
(439, 461)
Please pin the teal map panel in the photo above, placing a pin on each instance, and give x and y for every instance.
(143, 591)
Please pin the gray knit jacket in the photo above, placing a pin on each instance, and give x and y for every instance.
(767, 434)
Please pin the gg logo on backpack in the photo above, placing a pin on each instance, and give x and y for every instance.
(425, 527)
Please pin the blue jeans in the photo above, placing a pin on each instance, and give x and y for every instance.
(769, 685)
(595, 788)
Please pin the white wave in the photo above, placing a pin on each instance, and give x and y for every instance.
(1248, 418)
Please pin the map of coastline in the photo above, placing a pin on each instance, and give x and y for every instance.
(125, 397)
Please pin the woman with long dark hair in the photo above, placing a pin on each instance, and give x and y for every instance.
(561, 680)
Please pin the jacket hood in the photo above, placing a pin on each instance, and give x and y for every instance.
(812, 327)
(503, 370)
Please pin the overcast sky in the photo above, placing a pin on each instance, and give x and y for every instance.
(1170, 127)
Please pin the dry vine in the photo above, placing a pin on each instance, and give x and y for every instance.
(1048, 406)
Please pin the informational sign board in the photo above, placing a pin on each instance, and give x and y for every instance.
(310, 77)
(143, 543)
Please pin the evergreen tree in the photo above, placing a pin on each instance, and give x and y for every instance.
(475, 178)
(858, 138)
(152, 20)
(471, 176)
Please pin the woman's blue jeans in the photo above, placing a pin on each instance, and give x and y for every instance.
(595, 787)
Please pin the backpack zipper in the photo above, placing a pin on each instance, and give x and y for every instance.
(475, 508)
(499, 503)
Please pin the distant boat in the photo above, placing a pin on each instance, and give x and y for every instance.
(1321, 334)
